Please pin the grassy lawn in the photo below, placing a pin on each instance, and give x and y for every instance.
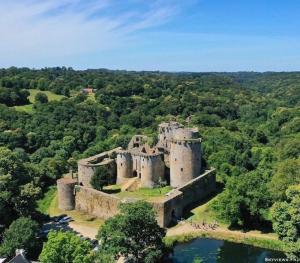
(146, 193)
(51, 96)
(49, 205)
(29, 108)
(44, 203)
(204, 213)
(25, 108)
(112, 187)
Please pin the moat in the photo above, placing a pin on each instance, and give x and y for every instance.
(219, 251)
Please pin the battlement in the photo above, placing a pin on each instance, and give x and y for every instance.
(137, 152)
(186, 133)
(198, 140)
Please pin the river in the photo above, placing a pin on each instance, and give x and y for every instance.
(212, 251)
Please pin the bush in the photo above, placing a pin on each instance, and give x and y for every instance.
(41, 98)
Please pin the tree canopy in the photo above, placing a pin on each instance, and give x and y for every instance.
(134, 234)
(65, 247)
(41, 97)
(100, 178)
(21, 234)
(249, 123)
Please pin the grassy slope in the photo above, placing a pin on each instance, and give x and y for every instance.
(203, 213)
(29, 108)
(44, 203)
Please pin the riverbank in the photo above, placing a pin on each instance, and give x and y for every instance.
(184, 232)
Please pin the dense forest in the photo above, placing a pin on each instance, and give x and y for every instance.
(250, 124)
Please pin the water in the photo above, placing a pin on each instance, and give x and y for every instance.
(219, 251)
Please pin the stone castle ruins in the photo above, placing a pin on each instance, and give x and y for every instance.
(176, 159)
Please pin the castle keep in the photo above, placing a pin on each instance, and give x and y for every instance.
(175, 160)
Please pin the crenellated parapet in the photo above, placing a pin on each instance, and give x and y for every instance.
(181, 141)
(139, 153)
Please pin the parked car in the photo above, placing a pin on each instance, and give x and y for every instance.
(57, 218)
(65, 219)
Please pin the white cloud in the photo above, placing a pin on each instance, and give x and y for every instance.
(33, 29)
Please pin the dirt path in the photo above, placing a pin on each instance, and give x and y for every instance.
(86, 231)
(185, 228)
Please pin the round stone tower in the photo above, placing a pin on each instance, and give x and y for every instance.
(185, 156)
(152, 169)
(66, 196)
(124, 166)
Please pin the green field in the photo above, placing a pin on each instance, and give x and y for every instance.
(25, 108)
(146, 193)
(29, 108)
(51, 96)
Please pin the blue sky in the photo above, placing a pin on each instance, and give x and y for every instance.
(170, 35)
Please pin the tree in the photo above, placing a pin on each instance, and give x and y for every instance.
(286, 218)
(286, 215)
(290, 148)
(13, 175)
(22, 233)
(25, 202)
(100, 256)
(134, 233)
(293, 251)
(41, 97)
(244, 201)
(65, 247)
(100, 178)
(287, 173)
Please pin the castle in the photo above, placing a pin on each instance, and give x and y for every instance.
(175, 160)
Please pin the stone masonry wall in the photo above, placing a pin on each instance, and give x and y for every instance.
(96, 203)
(169, 208)
(198, 188)
(104, 205)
